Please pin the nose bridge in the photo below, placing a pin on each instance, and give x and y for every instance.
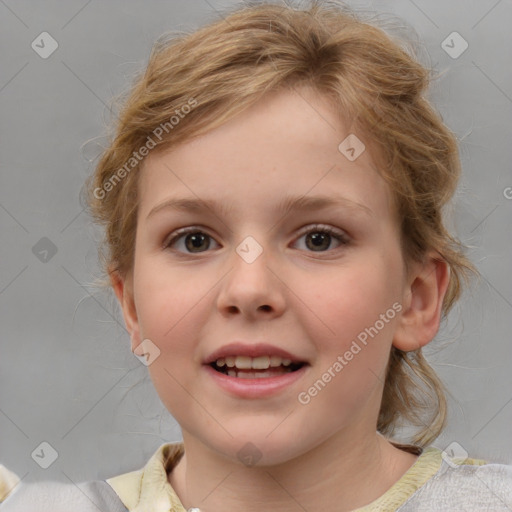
(251, 285)
(249, 249)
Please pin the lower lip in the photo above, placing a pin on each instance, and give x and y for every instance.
(255, 388)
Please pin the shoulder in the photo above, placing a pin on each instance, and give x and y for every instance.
(465, 484)
(52, 496)
(59, 497)
(140, 488)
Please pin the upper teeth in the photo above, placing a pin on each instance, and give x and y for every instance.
(257, 363)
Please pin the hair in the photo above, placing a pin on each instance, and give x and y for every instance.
(226, 66)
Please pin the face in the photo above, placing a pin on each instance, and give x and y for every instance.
(312, 280)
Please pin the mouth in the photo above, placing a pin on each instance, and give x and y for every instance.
(255, 378)
(253, 373)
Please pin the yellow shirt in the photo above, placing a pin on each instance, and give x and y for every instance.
(148, 489)
(430, 482)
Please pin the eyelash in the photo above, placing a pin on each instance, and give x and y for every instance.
(318, 228)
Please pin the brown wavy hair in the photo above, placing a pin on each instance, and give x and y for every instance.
(370, 76)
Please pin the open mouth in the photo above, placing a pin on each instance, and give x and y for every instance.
(253, 373)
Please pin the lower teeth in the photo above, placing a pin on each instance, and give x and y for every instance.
(245, 374)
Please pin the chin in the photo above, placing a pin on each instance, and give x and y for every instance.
(259, 450)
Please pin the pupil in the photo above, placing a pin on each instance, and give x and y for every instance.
(319, 240)
(196, 239)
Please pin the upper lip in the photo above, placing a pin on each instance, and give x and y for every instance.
(251, 350)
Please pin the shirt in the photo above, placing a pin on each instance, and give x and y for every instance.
(434, 483)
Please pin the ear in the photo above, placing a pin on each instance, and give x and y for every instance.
(422, 300)
(123, 288)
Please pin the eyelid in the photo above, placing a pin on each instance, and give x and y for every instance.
(325, 228)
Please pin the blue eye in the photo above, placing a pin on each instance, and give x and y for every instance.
(318, 239)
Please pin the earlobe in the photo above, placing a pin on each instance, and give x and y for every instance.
(123, 289)
(423, 301)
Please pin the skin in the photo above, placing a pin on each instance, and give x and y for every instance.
(325, 455)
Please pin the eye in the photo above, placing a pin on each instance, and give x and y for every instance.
(192, 240)
(319, 238)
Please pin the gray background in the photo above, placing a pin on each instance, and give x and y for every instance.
(67, 375)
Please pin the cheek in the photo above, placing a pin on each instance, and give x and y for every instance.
(165, 300)
(170, 309)
(352, 325)
(171, 314)
(349, 299)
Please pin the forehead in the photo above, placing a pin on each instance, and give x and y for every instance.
(288, 143)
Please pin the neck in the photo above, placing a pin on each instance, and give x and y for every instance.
(335, 475)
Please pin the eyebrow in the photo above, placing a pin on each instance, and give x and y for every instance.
(289, 204)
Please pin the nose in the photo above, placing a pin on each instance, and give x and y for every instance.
(252, 289)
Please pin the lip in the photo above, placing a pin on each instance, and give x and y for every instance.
(239, 348)
(255, 388)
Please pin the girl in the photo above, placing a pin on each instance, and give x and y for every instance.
(272, 201)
